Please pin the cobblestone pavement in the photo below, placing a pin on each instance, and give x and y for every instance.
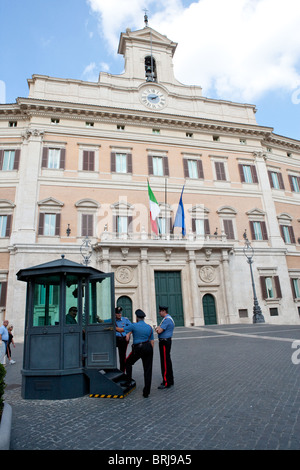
(236, 387)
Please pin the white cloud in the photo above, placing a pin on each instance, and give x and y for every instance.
(234, 49)
(91, 72)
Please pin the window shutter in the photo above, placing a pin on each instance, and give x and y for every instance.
(270, 179)
(129, 224)
(45, 157)
(277, 287)
(1, 158)
(115, 223)
(166, 166)
(57, 224)
(200, 169)
(84, 225)
(206, 227)
(129, 163)
(280, 181)
(62, 159)
(150, 165)
(113, 162)
(252, 230)
(41, 224)
(92, 161)
(291, 183)
(293, 289)
(264, 230)
(193, 225)
(292, 235)
(3, 294)
(8, 226)
(242, 176)
(254, 174)
(85, 162)
(185, 168)
(17, 159)
(282, 232)
(228, 228)
(220, 171)
(263, 287)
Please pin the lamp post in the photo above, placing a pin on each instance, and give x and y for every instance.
(249, 252)
(86, 250)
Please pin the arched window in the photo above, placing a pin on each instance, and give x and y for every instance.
(150, 69)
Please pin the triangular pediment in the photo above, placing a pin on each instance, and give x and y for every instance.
(145, 35)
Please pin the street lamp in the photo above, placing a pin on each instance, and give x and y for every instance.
(249, 252)
(86, 250)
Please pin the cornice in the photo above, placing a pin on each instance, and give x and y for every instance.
(27, 107)
(24, 108)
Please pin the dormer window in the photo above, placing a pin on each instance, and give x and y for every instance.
(150, 69)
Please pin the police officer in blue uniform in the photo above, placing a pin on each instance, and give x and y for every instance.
(165, 333)
(121, 340)
(142, 348)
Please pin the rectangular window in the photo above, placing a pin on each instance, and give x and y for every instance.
(200, 226)
(53, 158)
(46, 303)
(87, 225)
(122, 224)
(220, 171)
(287, 233)
(228, 229)
(295, 183)
(296, 288)
(276, 180)
(88, 162)
(121, 162)
(9, 159)
(248, 173)
(49, 224)
(274, 312)
(193, 168)
(258, 231)
(5, 225)
(270, 287)
(158, 169)
(3, 289)
(158, 165)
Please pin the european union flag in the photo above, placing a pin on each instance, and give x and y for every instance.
(180, 218)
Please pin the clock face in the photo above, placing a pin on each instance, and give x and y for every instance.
(153, 98)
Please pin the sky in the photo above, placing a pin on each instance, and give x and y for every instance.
(247, 51)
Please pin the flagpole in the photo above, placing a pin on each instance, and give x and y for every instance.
(166, 179)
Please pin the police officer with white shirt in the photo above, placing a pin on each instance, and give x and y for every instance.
(165, 333)
(142, 348)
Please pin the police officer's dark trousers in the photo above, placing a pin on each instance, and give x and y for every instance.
(142, 351)
(122, 346)
(165, 361)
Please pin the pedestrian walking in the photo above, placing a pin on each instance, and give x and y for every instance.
(142, 348)
(165, 333)
(10, 341)
(121, 340)
(3, 342)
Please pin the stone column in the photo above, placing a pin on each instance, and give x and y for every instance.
(269, 206)
(197, 311)
(25, 215)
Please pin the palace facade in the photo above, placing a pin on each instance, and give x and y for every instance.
(75, 161)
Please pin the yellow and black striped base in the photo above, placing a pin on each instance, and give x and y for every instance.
(100, 395)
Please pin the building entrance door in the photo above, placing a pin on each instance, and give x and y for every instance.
(168, 294)
(209, 310)
(126, 304)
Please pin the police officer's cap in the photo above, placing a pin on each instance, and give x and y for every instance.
(163, 308)
(139, 313)
(118, 309)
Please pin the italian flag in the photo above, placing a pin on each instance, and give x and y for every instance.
(154, 210)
